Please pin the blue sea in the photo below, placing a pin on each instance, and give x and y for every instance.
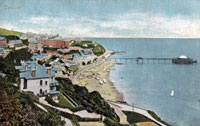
(149, 85)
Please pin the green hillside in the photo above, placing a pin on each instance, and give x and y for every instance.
(5, 32)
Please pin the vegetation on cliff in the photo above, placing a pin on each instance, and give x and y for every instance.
(7, 64)
(18, 108)
(96, 48)
(6, 32)
(93, 102)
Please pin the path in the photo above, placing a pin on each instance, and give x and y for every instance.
(125, 107)
(121, 115)
(67, 121)
(82, 113)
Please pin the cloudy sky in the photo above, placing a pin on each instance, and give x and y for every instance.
(104, 18)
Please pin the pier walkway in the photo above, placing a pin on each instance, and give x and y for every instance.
(142, 60)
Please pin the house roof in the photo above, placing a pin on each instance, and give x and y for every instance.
(58, 39)
(56, 69)
(1, 37)
(71, 64)
(55, 63)
(41, 55)
(67, 56)
(15, 41)
(40, 71)
(51, 92)
(33, 42)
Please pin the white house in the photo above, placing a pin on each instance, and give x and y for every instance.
(38, 79)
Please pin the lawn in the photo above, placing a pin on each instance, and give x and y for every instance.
(63, 101)
(73, 68)
(133, 117)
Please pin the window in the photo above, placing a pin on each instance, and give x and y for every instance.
(45, 92)
(40, 82)
(25, 84)
(46, 82)
(40, 91)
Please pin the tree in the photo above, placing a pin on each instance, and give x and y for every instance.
(11, 112)
(83, 63)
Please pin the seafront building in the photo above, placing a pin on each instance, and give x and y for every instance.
(56, 43)
(34, 46)
(87, 56)
(38, 79)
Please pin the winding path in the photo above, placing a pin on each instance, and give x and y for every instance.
(125, 107)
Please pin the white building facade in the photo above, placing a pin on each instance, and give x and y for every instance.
(38, 79)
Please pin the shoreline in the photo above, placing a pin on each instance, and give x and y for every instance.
(98, 79)
(91, 77)
(108, 90)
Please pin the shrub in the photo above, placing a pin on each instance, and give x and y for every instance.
(73, 68)
(93, 102)
(133, 117)
(98, 50)
(83, 63)
(155, 116)
(51, 102)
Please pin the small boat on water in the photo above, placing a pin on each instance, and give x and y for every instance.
(172, 93)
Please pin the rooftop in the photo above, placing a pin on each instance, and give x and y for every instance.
(36, 55)
(55, 63)
(15, 41)
(56, 69)
(58, 39)
(40, 71)
(51, 92)
(2, 38)
(33, 42)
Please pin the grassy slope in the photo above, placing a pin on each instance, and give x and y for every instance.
(5, 32)
(133, 117)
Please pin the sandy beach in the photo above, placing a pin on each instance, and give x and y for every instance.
(97, 79)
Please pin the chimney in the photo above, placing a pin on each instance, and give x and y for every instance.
(22, 62)
(33, 73)
(36, 65)
(48, 70)
(26, 67)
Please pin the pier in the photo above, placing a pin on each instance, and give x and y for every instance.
(142, 60)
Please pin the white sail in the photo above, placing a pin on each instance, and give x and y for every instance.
(172, 93)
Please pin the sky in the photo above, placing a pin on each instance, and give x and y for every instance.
(104, 18)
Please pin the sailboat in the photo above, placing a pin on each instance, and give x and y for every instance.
(172, 93)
